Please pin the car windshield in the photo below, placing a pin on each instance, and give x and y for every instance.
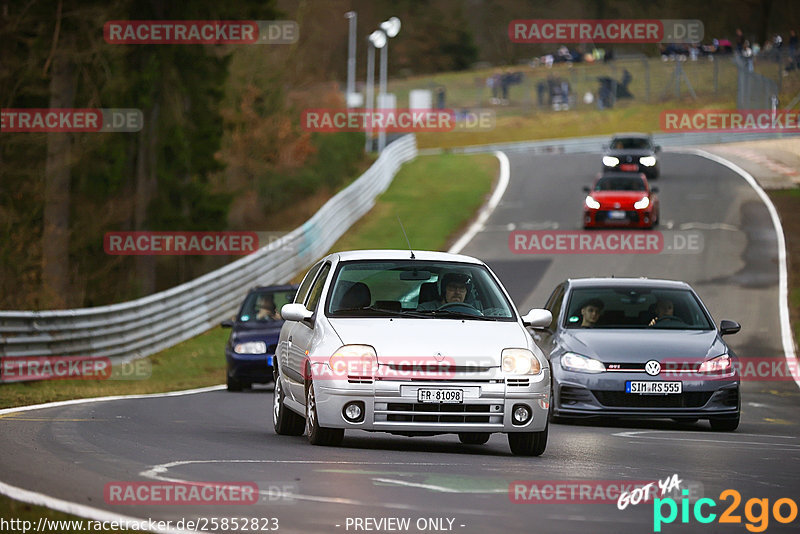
(620, 183)
(630, 143)
(635, 307)
(414, 288)
(265, 305)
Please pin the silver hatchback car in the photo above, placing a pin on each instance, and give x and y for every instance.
(410, 343)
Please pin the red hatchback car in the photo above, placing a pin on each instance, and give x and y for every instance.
(620, 200)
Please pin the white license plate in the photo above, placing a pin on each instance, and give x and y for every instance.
(439, 396)
(653, 388)
(616, 214)
(629, 167)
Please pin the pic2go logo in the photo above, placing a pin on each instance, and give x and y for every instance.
(757, 522)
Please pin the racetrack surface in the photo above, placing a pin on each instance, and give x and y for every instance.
(71, 452)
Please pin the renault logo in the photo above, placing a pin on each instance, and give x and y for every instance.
(652, 368)
(438, 356)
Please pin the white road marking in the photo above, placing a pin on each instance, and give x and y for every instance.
(662, 436)
(706, 226)
(783, 283)
(487, 210)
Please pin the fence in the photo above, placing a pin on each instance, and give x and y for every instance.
(145, 326)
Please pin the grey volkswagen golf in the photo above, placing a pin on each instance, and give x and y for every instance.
(635, 347)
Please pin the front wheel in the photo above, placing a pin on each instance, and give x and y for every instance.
(528, 443)
(474, 438)
(284, 420)
(724, 424)
(319, 435)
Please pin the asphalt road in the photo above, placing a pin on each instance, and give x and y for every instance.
(72, 452)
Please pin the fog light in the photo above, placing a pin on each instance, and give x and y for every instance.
(522, 414)
(354, 411)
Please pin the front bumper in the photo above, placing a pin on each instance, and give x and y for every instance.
(391, 405)
(603, 394)
(599, 218)
(251, 367)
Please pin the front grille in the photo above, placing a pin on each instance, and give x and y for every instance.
(693, 399)
(625, 367)
(630, 216)
(408, 412)
(518, 382)
(272, 348)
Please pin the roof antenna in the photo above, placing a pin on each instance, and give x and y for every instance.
(404, 234)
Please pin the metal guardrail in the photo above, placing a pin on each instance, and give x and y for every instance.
(141, 327)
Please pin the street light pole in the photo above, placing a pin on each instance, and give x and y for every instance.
(351, 57)
(369, 90)
(390, 28)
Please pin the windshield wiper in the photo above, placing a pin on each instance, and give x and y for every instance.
(396, 313)
(462, 314)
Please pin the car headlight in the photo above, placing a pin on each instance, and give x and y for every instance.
(648, 161)
(720, 365)
(592, 203)
(354, 360)
(642, 204)
(251, 347)
(610, 161)
(520, 362)
(580, 363)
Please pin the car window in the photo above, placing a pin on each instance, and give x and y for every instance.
(390, 287)
(554, 304)
(638, 307)
(265, 305)
(316, 290)
(620, 183)
(630, 143)
(303, 291)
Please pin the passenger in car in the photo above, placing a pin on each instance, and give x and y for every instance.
(591, 311)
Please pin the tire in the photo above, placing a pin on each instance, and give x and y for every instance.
(528, 443)
(234, 384)
(551, 413)
(474, 438)
(285, 421)
(319, 435)
(724, 424)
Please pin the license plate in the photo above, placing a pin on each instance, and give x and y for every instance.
(629, 167)
(616, 214)
(654, 388)
(440, 396)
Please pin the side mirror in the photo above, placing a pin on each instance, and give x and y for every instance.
(295, 312)
(227, 323)
(587, 189)
(538, 318)
(654, 190)
(728, 327)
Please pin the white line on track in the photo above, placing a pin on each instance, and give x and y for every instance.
(665, 436)
(783, 279)
(486, 211)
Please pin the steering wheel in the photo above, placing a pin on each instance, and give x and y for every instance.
(466, 308)
(672, 318)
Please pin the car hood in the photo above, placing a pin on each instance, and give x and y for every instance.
(618, 196)
(630, 152)
(639, 346)
(463, 341)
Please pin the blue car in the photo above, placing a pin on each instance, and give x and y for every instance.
(254, 336)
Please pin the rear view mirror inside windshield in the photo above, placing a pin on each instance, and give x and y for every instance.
(415, 275)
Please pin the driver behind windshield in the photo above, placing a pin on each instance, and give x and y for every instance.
(454, 288)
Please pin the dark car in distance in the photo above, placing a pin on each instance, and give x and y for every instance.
(254, 336)
(638, 347)
(633, 152)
